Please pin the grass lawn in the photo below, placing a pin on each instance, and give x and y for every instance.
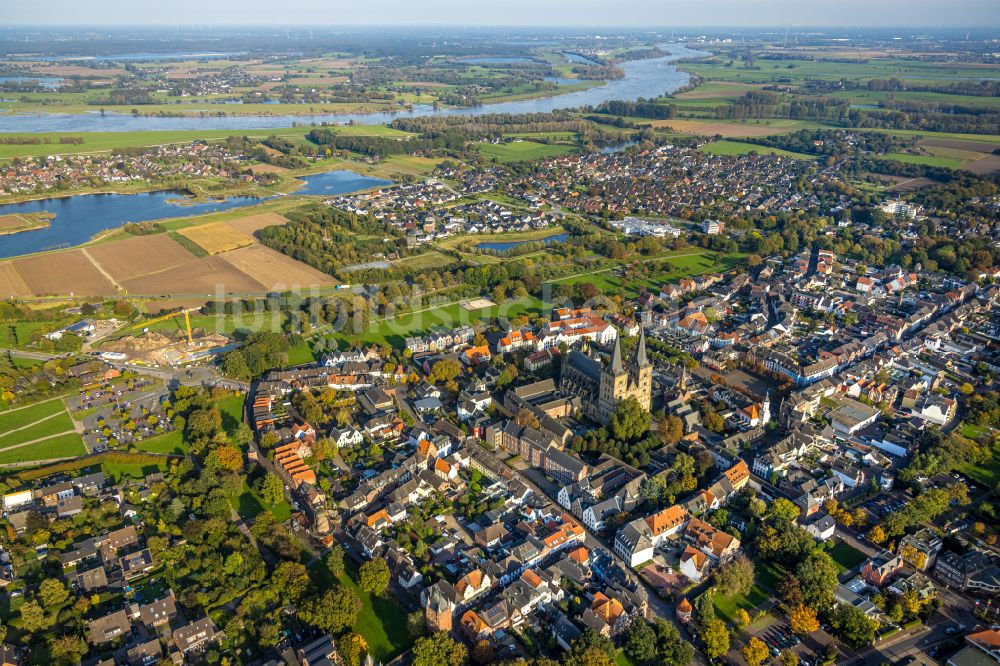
(232, 412)
(973, 431)
(171, 442)
(622, 659)
(521, 151)
(987, 474)
(250, 505)
(741, 148)
(117, 470)
(768, 576)
(61, 423)
(28, 415)
(300, 354)
(69, 445)
(846, 556)
(726, 605)
(382, 620)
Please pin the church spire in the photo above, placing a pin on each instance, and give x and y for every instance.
(640, 350)
(616, 361)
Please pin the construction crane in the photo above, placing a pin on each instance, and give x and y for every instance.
(187, 322)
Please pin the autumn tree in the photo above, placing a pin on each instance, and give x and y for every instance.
(226, 457)
(52, 593)
(742, 618)
(439, 650)
(716, 638)
(755, 652)
(803, 620)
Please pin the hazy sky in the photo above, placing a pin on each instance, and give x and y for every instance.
(653, 13)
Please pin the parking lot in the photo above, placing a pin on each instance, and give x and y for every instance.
(117, 416)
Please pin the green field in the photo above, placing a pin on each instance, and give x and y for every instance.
(684, 263)
(768, 576)
(796, 71)
(846, 557)
(740, 148)
(18, 335)
(106, 141)
(521, 151)
(394, 331)
(986, 474)
(27, 415)
(382, 620)
(53, 425)
(927, 160)
(171, 442)
(118, 471)
(69, 445)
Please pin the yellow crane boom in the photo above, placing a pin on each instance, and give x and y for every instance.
(187, 322)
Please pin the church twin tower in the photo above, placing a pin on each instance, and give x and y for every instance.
(621, 383)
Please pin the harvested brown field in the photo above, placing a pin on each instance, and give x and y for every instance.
(985, 165)
(912, 184)
(141, 255)
(207, 276)
(11, 282)
(253, 223)
(962, 144)
(77, 70)
(266, 168)
(171, 304)
(319, 80)
(12, 221)
(706, 128)
(63, 273)
(274, 270)
(216, 237)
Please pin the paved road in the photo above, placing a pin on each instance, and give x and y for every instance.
(37, 356)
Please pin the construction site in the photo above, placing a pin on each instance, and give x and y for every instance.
(184, 346)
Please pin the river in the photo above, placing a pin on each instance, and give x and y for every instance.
(78, 218)
(643, 78)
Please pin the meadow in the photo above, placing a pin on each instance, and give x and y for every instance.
(741, 148)
(521, 151)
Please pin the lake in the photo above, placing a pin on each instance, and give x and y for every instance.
(579, 59)
(80, 217)
(50, 82)
(643, 78)
(510, 245)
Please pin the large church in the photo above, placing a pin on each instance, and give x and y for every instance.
(601, 388)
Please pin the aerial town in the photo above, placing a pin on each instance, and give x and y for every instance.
(578, 385)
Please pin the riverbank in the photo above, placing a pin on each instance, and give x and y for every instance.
(647, 78)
